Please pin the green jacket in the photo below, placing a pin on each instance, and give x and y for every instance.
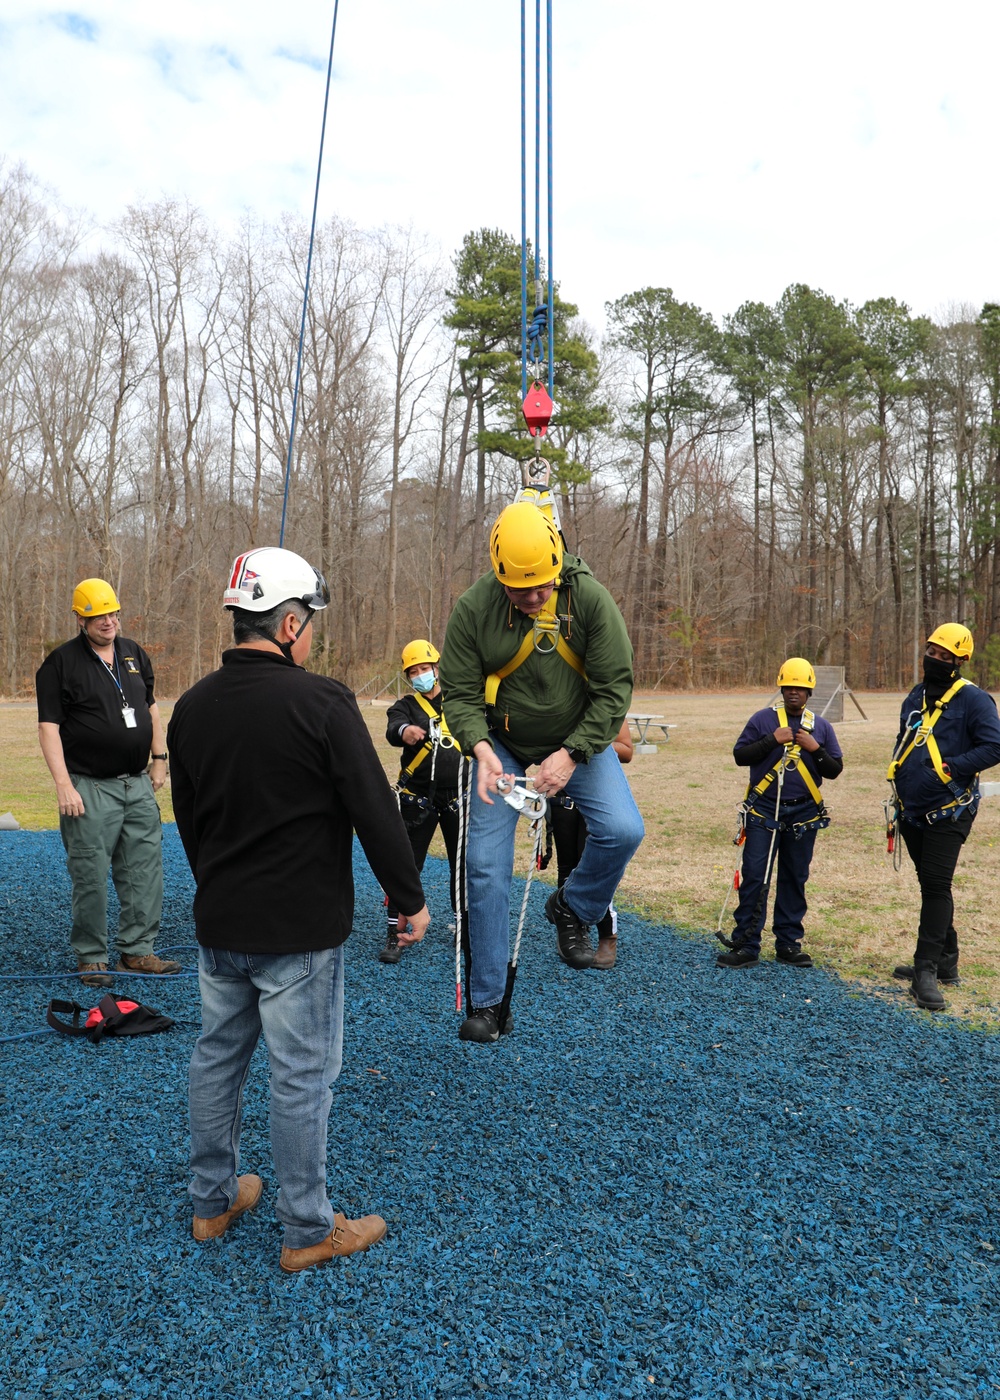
(544, 704)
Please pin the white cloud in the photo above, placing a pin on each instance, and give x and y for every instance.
(724, 150)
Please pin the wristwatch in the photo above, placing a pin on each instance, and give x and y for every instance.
(161, 756)
(577, 755)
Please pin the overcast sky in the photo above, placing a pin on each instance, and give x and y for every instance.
(722, 149)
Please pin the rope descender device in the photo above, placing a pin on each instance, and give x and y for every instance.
(525, 801)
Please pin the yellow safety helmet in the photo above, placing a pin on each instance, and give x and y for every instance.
(418, 652)
(954, 638)
(95, 598)
(797, 671)
(525, 548)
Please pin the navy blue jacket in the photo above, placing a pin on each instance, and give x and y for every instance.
(968, 735)
(753, 751)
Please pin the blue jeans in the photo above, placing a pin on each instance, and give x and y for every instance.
(297, 1000)
(614, 830)
(792, 859)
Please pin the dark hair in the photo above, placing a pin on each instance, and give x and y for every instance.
(251, 626)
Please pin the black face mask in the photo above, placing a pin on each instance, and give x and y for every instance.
(939, 673)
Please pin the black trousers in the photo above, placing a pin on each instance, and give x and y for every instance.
(421, 824)
(569, 835)
(934, 852)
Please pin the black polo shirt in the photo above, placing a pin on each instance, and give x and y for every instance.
(77, 691)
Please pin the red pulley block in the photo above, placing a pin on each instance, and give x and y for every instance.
(537, 408)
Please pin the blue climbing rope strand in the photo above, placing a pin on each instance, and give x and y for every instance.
(550, 341)
(524, 211)
(305, 293)
(538, 151)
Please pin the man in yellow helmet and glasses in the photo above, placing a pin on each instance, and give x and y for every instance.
(948, 733)
(98, 722)
(789, 752)
(537, 669)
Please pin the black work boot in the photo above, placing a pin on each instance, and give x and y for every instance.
(483, 1025)
(792, 955)
(924, 988)
(947, 971)
(392, 952)
(738, 957)
(572, 937)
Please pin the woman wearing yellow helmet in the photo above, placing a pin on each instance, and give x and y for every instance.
(936, 790)
(427, 789)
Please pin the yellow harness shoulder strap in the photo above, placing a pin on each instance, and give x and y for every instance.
(546, 625)
(925, 734)
(792, 758)
(428, 743)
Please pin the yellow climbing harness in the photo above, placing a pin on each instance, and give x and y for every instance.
(923, 736)
(545, 636)
(791, 758)
(439, 723)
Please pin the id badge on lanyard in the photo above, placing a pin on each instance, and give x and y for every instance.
(128, 715)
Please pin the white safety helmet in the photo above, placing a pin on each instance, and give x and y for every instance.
(262, 579)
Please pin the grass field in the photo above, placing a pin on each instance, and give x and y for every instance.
(862, 914)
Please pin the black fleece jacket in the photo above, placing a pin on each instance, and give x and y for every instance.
(272, 769)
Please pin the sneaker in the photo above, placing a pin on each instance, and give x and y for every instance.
(93, 974)
(738, 957)
(212, 1226)
(924, 989)
(148, 963)
(346, 1237)
(483, 1025)
(947, 973)
(391, 952)
(572, 938)
(792, 955)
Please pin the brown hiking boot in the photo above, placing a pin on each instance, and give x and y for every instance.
(149, 962)
(607, 951)
(212, 1226)
(346, 1237)
(95, 974)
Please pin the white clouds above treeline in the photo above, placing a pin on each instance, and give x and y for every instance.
(725, 150)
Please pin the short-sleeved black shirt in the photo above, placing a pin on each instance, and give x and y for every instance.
(77, 691)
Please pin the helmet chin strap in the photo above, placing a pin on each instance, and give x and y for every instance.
(286, 647)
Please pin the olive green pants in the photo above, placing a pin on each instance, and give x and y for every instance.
(120, 828)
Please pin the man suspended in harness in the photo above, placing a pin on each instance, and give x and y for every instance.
(427, 789)
(537, 669)
(948, 733)
(789, 752)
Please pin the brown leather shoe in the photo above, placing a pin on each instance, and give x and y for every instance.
(149, 962)
(94, 974)
(346, 1237)
(212, 1226)
(607, 951)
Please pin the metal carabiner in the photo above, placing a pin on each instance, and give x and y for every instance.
(526, 803)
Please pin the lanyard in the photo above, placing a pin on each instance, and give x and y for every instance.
(113, 675)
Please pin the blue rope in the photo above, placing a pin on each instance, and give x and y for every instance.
(305, 293)
(548, 84)
(524, 211)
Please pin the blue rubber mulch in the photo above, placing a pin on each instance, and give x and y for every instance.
(670, 1181)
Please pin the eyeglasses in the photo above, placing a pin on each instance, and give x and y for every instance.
(515, 593)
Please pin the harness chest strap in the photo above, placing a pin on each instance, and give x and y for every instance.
(792, 758)
(428, 743)
(546, 624)
(924, 735)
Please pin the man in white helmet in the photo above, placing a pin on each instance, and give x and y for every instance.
(789, 752)
(273, 772)
(537, 669)
(948, 733)
(101, 735)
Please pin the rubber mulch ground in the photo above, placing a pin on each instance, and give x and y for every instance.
(669, 1181)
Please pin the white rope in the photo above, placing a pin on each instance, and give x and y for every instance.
(461, 874)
